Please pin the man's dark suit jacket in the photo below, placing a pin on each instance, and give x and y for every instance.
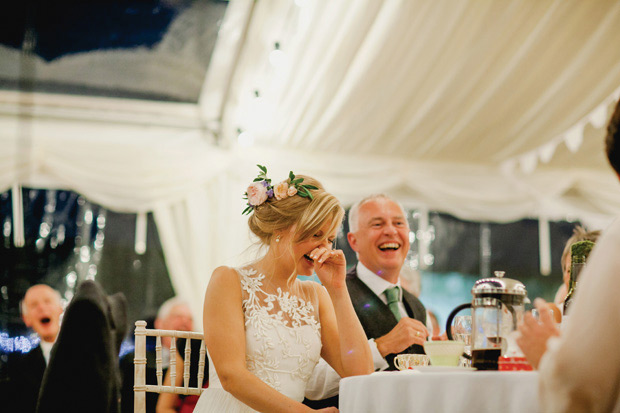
(377, 320)
(376, 317)
(25, 373)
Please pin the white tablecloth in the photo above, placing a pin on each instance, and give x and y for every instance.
(468, 391)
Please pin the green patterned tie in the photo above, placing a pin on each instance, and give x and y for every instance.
(393, 295)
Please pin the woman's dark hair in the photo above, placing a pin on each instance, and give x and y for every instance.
(612, 146)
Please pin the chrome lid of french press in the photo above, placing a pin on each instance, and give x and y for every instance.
(499, 285)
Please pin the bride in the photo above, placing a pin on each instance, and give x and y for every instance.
(265, 330)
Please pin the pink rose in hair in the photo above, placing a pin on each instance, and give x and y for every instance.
(280, 190)
(291, 191)
(257, 193)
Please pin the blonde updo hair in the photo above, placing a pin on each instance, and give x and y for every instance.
(307, 216)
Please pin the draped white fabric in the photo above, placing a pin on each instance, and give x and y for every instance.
(487, 110)
(175, 174)
(436, 102)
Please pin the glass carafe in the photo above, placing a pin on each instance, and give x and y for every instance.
(497, 307)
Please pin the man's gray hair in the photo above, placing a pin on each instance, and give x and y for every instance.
(354, 210)
(168, 305)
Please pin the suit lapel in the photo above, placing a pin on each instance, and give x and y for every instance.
(374, 315)
(36, 362)
(410, 305)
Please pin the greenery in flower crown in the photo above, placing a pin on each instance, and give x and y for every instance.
(261, 190)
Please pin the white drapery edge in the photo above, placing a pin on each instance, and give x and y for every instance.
(141, 233)
(544, 248)
(572, 138)
(19, 238)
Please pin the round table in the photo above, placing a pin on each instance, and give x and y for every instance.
(440, 390)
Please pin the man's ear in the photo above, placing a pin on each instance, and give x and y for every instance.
(352, 241)
(27, 320)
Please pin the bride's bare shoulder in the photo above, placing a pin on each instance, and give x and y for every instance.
(312, 289)
(224, 276)
(224, 271)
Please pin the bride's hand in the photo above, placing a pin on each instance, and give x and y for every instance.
(330, 266)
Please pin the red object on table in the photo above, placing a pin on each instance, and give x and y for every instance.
(513, 364)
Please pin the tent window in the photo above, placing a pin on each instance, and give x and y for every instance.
(69, 239)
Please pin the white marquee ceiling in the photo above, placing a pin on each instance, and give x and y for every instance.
(509, 85)
(468, 81)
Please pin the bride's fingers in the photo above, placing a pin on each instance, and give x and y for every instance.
(337, 256)
(334, 257)
(323, 256)
(317, 253)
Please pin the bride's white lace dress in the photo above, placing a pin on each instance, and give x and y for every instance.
(283, 344)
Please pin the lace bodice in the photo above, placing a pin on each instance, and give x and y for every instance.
(282, 334)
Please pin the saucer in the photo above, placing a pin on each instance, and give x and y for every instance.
(443, 369)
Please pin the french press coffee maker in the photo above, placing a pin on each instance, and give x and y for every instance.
(497, 306)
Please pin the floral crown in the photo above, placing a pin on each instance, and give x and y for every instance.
(261, 190)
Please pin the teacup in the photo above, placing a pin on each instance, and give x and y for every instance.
(444, 353)
(409, 361)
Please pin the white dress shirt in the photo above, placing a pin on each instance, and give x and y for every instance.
(46, 348)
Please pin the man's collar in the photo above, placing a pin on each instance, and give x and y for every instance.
(46, 348)
(377, 284)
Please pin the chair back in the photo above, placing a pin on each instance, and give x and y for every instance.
(141, 387)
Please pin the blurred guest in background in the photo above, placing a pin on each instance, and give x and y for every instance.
(174, 314)
(435, 328)
(41, 310)
(172, 402)
(579, 369)
(411, 280)
(579, 234)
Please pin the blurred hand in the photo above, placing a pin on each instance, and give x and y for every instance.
(535, 333)
(328, 410)
(556, 314)
(442, 337)
(408, 331)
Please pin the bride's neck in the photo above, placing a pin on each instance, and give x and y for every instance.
(275, 268)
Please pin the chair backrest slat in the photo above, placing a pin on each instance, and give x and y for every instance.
(201, 363)
(158, 361)
(141, 387)
(173, 362)
(188, 356)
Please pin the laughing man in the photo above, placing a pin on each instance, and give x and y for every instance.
(379, 234)
(394, 320)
